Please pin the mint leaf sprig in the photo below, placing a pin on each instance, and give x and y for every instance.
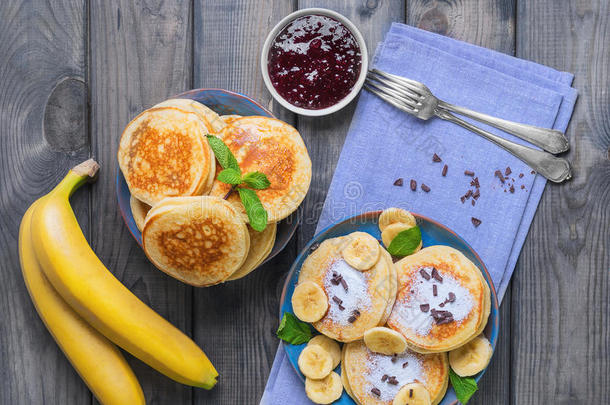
(232, 175)
(464, 387)
(293, 331)
(406, 242)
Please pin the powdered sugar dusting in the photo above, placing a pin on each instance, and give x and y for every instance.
(391, 366)
(355, 298)
(409, 309)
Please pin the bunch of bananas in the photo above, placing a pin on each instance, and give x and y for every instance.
(88, 311)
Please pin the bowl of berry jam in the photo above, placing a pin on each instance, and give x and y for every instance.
(314, 62)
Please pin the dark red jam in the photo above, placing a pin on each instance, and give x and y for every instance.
(314, 62)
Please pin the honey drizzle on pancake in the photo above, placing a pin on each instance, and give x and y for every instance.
(421, 293)
(392, 366)
(355, 298)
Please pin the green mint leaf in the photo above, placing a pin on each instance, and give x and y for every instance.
(464, 387)
(257, 180)
(223, 154)
(254, 208)
(230, 176)
(293, 331)
(405, 242)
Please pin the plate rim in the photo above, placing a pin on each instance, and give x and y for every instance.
(373, 214)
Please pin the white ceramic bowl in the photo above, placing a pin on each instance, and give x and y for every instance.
(363, 66)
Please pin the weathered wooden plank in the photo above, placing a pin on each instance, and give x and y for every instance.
(560, 290)
(43, 133)
(235, 322)
(140, 54)
(490, 24)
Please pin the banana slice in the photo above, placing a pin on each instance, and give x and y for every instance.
(315, 362)
(361, 251)
(331, 346)
(395, 215)
(326, 390)
(384, 340)
(412, 394)
(394, 229)
(309, 302)
(471, 358)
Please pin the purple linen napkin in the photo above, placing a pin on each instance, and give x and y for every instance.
(384, 144)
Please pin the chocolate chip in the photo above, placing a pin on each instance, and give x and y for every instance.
(512, 188)
(521, 175)
(434, 290)
(469, 173)
(522, 186)
(507, 171)
(475, 182)
(413, 185)
(468, 194)
(410, 392)
(424, 274)
(425, 188)
(473, 202)
(532, 172)
(398, 182)
(337, 300)
(451, 297)
(442, 304)
(351, 319)
(341, 307)
(405, 364)
(436, 158)
(436, 276)
(498, 174)
(384, 377)
(394, 358)
(475, 221)
(424, 307)
(463, 199)
(356, 313)
(343, 283)
(476, 194)
(444, 172)
(392, 380)
(376, 391)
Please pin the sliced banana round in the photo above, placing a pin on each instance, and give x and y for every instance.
(326, 390)
(471, 358)
(330, 345)
(384, 340)
(309, 302)
(390, 232)
(361, 251)
(412, 394)
(394, 215)
(315, 362)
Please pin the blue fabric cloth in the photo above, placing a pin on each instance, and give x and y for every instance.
(384, 144)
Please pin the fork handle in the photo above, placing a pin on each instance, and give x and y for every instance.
(550, 140)
(553, 168)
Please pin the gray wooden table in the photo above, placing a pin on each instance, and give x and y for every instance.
(73, 73)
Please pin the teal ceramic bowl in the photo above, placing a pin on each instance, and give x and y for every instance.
(433, 233)
(223, 102)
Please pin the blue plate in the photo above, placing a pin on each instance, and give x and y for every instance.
(223, 102)
(433, 233)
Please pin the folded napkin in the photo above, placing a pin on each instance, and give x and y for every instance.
(384, 144)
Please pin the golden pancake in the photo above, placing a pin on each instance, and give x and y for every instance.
(449, 319)
(275, 148)
(261, 244)
(139, 211)
(212, 121)
(367, 291)
(229, 119)
(365, 370)
(198, 240)
(164, 153)
(345, 378)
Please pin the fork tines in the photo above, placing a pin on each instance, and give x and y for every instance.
(393, 91)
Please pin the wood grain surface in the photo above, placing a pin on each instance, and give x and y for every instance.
(74, 72)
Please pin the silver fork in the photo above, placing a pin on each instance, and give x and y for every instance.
(416, 99)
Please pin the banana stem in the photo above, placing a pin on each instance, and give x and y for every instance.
(76, 177)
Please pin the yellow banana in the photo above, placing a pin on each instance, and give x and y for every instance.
(90, 289)
(100, 364)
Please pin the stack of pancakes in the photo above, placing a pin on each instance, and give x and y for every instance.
(190, 230)
(436, 299)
